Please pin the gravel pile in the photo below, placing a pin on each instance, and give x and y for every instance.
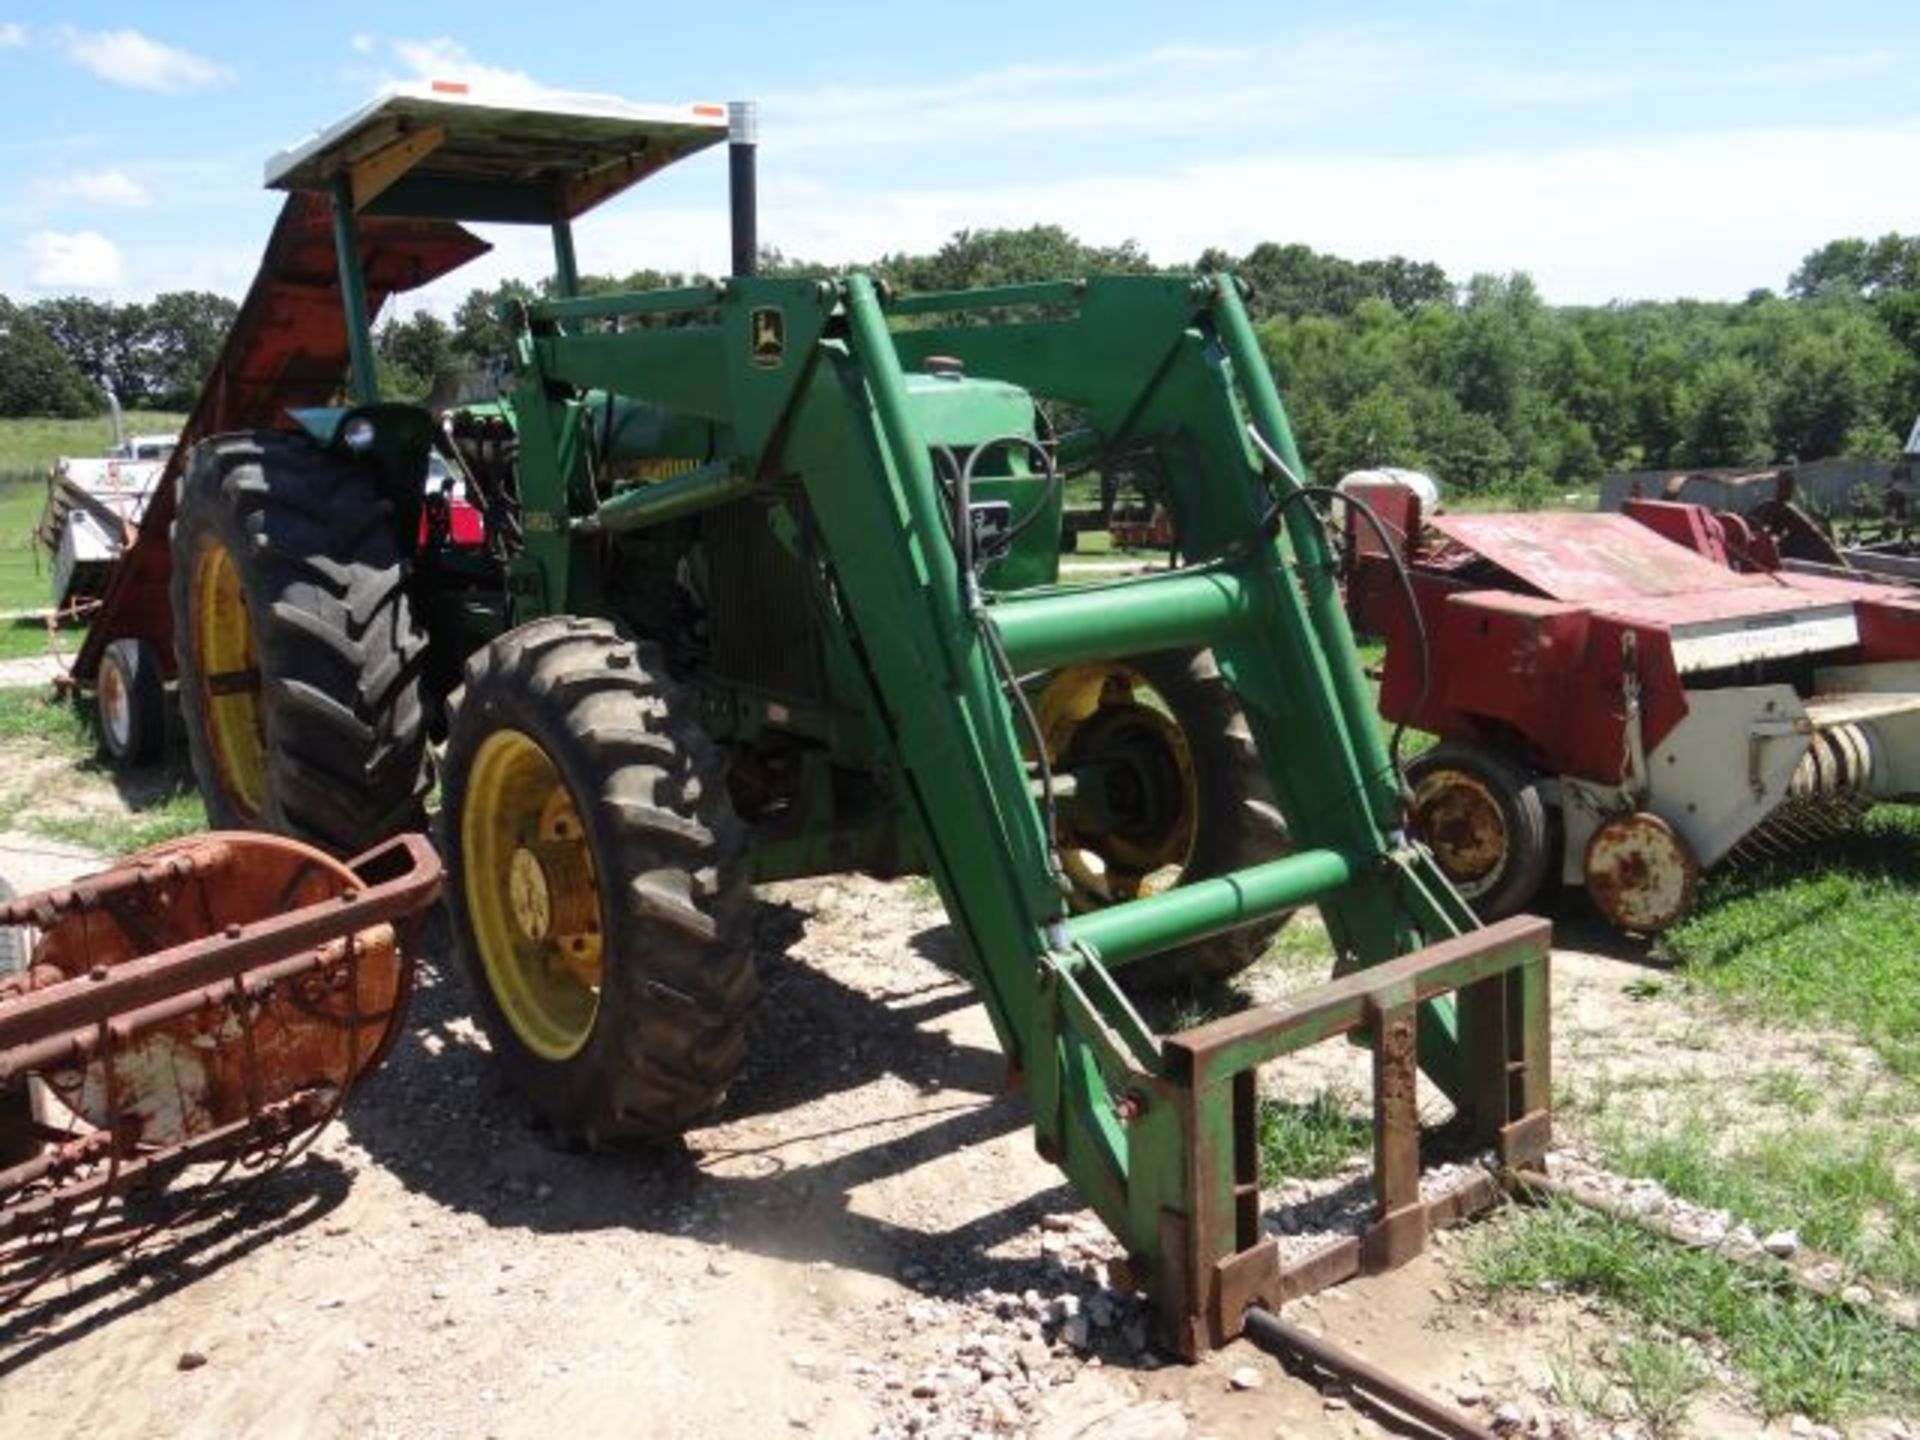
(999, 1353)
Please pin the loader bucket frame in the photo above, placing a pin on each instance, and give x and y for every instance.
(1156, 1132)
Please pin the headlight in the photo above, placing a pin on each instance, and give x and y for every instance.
(357, 434)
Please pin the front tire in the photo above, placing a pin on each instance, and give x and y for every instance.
(298, 656)
(598, 882)
(1182, 796)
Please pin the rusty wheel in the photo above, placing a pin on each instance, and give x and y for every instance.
(1640, 873)
(1486, 823)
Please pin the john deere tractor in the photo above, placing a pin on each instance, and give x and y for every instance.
(757, 579)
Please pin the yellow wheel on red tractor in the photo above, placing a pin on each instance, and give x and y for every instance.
(299, 662)
(598, 881)
(1166, 788)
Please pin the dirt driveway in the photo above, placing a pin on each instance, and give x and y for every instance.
(866, 1245)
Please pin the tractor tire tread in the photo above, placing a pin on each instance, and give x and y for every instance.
(340, 656)
(679, 978)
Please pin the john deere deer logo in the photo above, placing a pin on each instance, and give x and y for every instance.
(768, 340)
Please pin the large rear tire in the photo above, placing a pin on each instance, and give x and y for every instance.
(598, 882)
(1182, 796)
(299, 660)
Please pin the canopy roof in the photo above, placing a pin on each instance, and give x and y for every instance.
(443, 150)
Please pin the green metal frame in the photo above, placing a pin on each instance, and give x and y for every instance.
(1155, 1132)
(817, 389)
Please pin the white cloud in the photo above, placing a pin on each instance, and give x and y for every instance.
(1682, 215)
(444, 58)
(127, 57)
(95, 187)
(12, 34)
(76, 260)
(1184, 90)
(361, 43)
(1687, 214)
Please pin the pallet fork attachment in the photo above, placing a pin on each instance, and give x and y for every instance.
(1156, 1133)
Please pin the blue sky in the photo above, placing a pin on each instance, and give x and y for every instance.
(1616, 151)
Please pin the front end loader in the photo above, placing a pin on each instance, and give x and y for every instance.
(763, 584)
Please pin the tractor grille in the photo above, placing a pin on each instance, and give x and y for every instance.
(760, 612)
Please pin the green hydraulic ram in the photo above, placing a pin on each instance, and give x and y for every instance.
(663, 500)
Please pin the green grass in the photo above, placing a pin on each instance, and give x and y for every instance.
(1829, 939)
(1652, 1380)
(162, 806)
(31, 711)
(1312, 1140)
(23, 574)
(1842, 1189)
(28, 447)
(176, 811)
(1802, 1353)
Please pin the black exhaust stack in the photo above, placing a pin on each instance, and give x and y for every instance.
(743, 139)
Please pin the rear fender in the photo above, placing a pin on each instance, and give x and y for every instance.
(393, 437)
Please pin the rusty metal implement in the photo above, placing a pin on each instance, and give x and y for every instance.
(195, 1014)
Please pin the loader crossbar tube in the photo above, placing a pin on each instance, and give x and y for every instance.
(1106, 622)
(1251, 1037)
(1124, 933)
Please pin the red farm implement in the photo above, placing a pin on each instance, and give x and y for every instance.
(1624, 701)
(187, 1019)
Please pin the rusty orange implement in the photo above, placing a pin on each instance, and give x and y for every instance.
(204, 1005)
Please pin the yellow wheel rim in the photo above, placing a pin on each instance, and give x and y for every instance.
(1131, 828)
(229, 679)
(532, 900)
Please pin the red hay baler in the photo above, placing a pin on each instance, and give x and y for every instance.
(1624, 701)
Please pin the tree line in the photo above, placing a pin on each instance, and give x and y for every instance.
(1387, 361)
(56, 356)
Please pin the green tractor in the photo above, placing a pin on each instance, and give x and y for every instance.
(757, 579)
